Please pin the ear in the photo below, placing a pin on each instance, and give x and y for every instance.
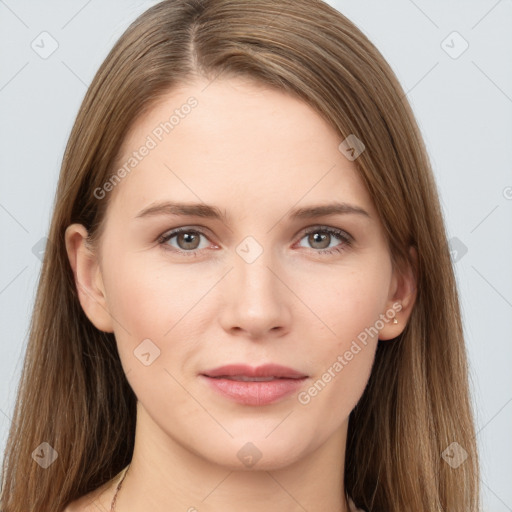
(88, 280)
(402, 296)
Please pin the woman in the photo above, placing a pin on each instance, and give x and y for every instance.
(247, 300)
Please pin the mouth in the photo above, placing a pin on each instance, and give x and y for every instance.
(258, 386)
(266, 371)
(245, 378)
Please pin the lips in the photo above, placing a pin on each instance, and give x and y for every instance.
(245, 378)
(254, 386)
(244, 372)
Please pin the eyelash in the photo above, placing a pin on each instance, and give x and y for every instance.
(338, 233)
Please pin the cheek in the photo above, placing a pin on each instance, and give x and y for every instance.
(349, 309)
(152, 307)
(149, 296)
(161, 311)
(346, 302)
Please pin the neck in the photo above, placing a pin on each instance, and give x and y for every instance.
(163, 475)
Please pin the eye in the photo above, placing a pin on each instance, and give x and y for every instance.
(187, 241)
(321, 237)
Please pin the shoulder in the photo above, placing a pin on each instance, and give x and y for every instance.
(353, 507)
(79, 506)
(86, 503)
(99, 499)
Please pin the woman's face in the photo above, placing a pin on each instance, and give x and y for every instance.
(263, 273)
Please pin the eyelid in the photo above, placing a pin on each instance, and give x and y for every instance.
(324, 227)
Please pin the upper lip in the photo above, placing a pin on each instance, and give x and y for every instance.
(266, 370)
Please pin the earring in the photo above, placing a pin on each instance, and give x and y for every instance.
(395, 321)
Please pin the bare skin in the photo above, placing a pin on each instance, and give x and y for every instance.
(256, 154)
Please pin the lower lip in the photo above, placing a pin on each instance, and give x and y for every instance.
(255, 393)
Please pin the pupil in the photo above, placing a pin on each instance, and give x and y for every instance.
(189, 239)
(317, 237)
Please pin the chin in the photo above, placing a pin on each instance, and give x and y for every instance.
(259, 454)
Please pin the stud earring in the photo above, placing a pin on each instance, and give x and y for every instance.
(395, 321)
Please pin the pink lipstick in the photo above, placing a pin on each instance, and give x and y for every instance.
(249, 385)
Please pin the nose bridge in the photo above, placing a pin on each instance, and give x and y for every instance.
(253, 264)
(255, 302)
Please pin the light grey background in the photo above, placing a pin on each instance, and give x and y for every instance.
(463, 104)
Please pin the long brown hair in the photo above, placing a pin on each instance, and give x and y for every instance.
(73, 393)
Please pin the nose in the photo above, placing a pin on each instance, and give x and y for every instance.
(256, 300)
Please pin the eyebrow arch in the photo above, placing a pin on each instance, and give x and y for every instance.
(212, 212)
(173, 208)
(327, 209)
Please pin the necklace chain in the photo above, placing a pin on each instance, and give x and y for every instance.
(113, 504)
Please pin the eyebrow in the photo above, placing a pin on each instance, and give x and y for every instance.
(212, 212)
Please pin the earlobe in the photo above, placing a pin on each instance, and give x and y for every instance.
(88, 280)
(402, 299)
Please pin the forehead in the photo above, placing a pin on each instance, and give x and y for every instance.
(230, 140)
